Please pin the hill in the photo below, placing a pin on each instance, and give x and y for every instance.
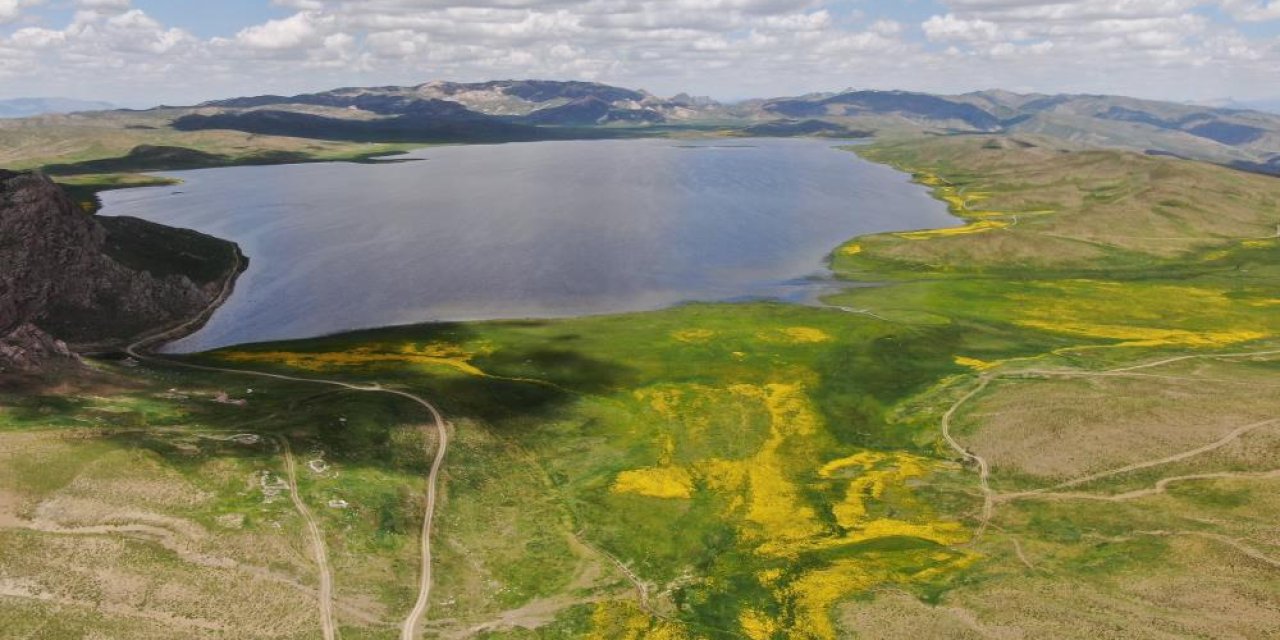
(1241, 138)
(96, 282)
(543, 102)
(342, 123)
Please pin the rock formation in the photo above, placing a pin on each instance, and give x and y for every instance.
(93, 282)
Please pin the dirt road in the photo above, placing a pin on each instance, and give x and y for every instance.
(984, 469)
(413, 620)
(318, 548)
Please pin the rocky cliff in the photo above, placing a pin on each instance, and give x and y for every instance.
(72, 282)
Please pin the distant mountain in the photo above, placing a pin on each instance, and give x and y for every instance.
(1270, 106)
(27, 107)
(1238, 137)
(533, 102)
(924, 109)
(518, 110)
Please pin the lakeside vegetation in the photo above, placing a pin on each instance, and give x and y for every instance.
(733, 470)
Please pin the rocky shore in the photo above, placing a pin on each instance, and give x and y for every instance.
(74, 283)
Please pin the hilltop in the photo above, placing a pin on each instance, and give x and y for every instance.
(345, 122)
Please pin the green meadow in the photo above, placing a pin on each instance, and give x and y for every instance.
(1098, 339)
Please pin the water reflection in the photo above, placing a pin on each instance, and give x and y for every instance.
(527, 230)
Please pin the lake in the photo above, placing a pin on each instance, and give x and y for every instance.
(541, 229)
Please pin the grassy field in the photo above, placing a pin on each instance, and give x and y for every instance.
(95, 152)
(32, 143)
(728, 470)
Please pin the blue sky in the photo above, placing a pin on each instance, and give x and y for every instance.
(141, 52)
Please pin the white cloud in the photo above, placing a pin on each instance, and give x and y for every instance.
(949, 28)
(37, 38)
(10, 10)
(733, 48)
(104, 5)
(300, 30)
(1253, 10)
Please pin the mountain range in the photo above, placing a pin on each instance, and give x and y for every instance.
(507, 109)
(515, 110)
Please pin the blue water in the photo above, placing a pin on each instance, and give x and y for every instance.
(543, 229)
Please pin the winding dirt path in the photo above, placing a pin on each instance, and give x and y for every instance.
(1177, 457)
(984, 469)
(642, 590)
(1217, 537)
(319, 550)
(991, 498)
(1157, 363)
(1161, 486)
(409, 628)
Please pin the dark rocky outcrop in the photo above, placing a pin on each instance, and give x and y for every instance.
(787, 128)
(423, 125)
(93, 282)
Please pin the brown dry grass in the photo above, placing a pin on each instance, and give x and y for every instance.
(1074, 206)
(57, 139)
(109, 535)
(1199, 590)
(1057, 428)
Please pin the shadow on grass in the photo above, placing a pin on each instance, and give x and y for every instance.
(357, 427)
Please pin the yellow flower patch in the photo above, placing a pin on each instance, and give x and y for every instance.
(655, 482)
(929, 179)
(974, 363)
(769, 497)
(943, 533)
(815, 594)
(436, 354)
(694, 336)
(758, 626)
(769, 577)
(624, 620)
(878, 472)
(795, 335)
(864, 459)
(1142, 315)
(851, 249)
(1133, 336)
(981, 226)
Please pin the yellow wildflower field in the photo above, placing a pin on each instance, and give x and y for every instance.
(981, 226)
(768, 496)
(437, 354)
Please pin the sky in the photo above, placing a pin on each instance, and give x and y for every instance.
(145, 52)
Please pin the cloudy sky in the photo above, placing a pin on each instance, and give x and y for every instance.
(144, 52)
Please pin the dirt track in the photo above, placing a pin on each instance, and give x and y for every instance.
(318, 548)
(409, 628)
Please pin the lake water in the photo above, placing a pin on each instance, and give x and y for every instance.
(542, 229)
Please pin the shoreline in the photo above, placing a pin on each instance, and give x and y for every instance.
(812, 289)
